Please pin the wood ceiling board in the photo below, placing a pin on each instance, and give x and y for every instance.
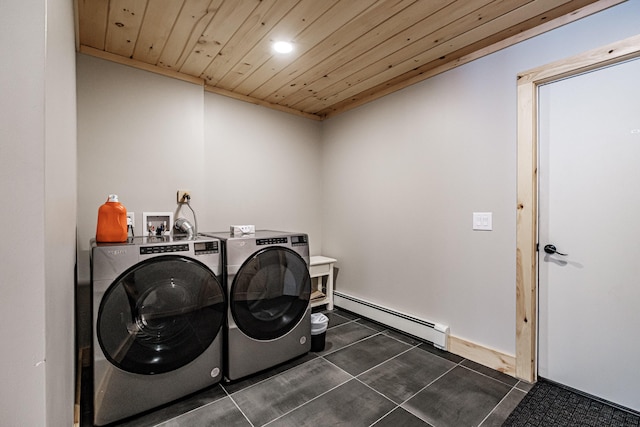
(329, 22)
(286, 81)
(401, 62)
(254, 29)
(194, 17)
(229, 16)
(92, 22)
(317, 78)
(123, 26)
(159, 19)
(300, 17)
(511, 36)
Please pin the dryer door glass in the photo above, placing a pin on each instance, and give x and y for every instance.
(160, 315)
(270, 293)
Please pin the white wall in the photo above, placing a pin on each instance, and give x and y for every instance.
(264, 169)
(139, 136)
(60, 212)
(22, 138)
(144, 136)
(37, 170)
(403, 175)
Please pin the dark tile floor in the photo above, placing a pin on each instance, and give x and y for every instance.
(366, 376)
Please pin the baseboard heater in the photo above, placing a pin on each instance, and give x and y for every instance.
(435, 333)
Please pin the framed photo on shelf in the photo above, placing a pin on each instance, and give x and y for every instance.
(157, 223)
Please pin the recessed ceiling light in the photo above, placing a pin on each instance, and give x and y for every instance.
(282, 47)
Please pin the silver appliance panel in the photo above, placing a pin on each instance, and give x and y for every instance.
(119, 393)
(241, 345)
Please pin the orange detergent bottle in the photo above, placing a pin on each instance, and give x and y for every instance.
(112, 221)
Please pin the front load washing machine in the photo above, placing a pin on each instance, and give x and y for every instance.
(158, 310)
(269, 318)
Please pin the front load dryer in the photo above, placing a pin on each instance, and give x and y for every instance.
(268, 284)
(159, 307)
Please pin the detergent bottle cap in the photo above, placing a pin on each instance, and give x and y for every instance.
(112, 198)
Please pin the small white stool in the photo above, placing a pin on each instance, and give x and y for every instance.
(320, 266)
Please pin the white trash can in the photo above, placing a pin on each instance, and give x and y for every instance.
(319, 323)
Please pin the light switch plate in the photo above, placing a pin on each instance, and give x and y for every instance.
(483, 221)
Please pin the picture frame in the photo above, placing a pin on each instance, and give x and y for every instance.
(157, 223)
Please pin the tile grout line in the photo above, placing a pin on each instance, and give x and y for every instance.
(272, 376)
(485, 375)
(377, 332)
(428, 385)
(388, 332)
(347, 320)
(390, 358)
(333, 364)
(302, 404)
(385, 330)
(341, 324)
(411, 347)
(353, 377)
(194, 409)
(237, 406)
(311, 400)
(318, 355)
(350, 344)
(376, 391)
(522, 389)
(498, 404)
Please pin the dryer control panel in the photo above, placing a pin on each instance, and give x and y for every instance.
(299, 240)
(201, 248)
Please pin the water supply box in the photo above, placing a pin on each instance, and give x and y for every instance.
(239, 230)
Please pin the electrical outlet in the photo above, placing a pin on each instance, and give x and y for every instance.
(182, 196)
(131, 219)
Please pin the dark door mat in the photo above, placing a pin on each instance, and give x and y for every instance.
(548, 404)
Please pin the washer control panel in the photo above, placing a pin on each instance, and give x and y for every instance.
(272, 241)
(199, 248)
(163, 249)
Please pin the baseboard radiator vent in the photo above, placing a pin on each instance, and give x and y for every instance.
(435, 333)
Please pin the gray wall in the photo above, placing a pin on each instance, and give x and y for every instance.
(263, 169)
(403, 175)
(139, 136)
(60, 212)
(144, 136)
(38, 179)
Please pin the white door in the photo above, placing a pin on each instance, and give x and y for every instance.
(589, 208)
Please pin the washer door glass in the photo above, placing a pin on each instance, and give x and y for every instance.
(270, 293)
(160, 315)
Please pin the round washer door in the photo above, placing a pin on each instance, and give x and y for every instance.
(160, 315)
(270, 293)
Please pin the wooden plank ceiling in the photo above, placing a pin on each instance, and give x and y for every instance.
(346, 52)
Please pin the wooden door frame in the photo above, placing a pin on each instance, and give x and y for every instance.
(527, 187)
